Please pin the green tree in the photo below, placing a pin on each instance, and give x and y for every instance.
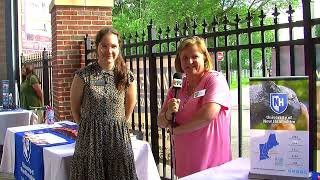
(130, 16)
(317, 30)
(133, 15)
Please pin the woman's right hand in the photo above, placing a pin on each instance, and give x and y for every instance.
(173, 105)
(165, 116)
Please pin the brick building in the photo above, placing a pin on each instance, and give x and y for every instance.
(70, 21)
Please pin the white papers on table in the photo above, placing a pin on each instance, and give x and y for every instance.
(46, 138)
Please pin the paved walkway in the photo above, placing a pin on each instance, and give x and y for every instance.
(4, 176)
(245, 122)
(245, 98)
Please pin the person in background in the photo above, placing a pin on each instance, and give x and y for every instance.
(103, 96)
(202, 111)
(31, 95)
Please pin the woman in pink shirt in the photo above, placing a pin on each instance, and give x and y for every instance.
(202, 111)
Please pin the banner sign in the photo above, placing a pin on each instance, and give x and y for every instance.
(279, 132)
(35, 26)
(29, 152)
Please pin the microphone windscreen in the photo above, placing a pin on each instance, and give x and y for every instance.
(177, 80)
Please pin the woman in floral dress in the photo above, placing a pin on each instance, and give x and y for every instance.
(103, 96)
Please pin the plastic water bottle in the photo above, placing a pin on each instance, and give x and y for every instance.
(5, 101)
(50, 115)
(10, 103)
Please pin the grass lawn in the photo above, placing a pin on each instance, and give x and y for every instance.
(234, 84)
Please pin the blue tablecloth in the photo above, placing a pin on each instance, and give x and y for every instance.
(13, 110)
(29, 156)
(315, 176)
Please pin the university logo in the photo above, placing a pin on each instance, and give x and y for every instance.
(278, 102)
(26, 148)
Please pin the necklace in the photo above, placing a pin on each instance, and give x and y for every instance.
(188, 94)
(190, 90)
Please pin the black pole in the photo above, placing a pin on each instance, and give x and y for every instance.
(310, 67)
(237, 20)
(16, 48)
(12, 51)
(45, 72)
(153, 95)
(86, 45)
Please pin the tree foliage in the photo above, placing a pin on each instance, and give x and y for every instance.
(134, 15)
(130, 16)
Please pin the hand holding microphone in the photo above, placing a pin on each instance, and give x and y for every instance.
(173, 107)
(174, 103)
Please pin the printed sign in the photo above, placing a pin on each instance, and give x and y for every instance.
(220, 55)
(279, 132)
(36, 26)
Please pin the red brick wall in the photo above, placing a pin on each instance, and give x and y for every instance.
(69, 26)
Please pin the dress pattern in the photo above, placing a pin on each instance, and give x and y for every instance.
(103, 148)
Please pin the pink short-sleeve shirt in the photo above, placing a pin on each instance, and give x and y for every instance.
(209, 146)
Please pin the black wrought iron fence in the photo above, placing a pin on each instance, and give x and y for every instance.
(248, 44)
(42, 63)
(90, 50)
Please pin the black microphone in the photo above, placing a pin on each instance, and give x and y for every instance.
(177, 84)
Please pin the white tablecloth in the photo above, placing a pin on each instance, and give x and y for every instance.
(13, 119)
(57, 159)
(237, 169)
(8, 155)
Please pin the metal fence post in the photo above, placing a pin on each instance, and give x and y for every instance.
(87, 50)
(45, 71)
(310, 66)
(153, 94)
(19, 77)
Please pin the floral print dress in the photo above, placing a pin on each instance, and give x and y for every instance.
(103, 148)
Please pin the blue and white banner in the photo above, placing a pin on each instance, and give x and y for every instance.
(29, 156)
(279, 126)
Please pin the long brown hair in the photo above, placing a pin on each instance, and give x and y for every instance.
(120, 68)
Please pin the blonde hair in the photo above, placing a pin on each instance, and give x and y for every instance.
(190, 41)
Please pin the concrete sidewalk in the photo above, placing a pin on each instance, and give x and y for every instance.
(245, 122)
(4, 176)
(245, 98)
